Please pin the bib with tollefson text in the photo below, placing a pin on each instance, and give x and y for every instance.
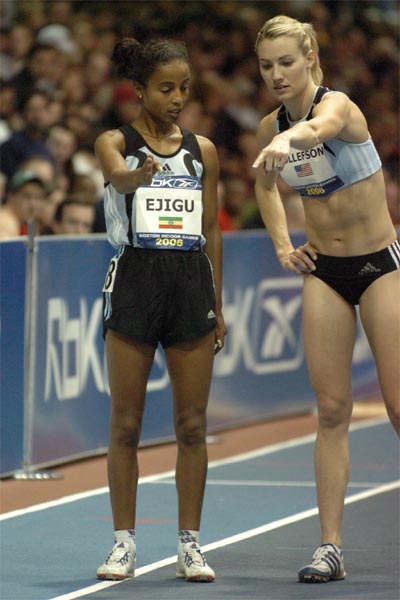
(310, 173)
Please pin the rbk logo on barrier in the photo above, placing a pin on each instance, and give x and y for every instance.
(264, 329)
(276, 326)
(264, 325)
(74, 352)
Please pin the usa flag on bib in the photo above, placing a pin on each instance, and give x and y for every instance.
(304, 170)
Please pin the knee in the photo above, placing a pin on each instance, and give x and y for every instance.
(334, 412)
(191, 431)
(125, 430)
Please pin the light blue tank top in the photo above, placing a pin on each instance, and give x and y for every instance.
(329, 166)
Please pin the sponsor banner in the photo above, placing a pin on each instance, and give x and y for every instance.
(71, 398)
(261, 372)
(12, 323)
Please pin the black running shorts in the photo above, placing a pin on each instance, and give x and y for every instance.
(350, 276)
(165, 296)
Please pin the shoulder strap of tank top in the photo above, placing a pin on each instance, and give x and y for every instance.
(190, 143)
(321, 91)
(283, 121)
(131, 136)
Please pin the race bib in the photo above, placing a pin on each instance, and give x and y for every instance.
(169, 214)
(310, 173)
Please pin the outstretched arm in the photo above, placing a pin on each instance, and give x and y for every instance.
(273, 213)
(334, 117)
(109, 147)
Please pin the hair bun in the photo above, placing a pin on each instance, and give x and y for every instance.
(123, 53)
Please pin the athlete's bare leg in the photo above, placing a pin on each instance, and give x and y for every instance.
(129, 364)
(190, 367)
(329, 327)
(380, 314)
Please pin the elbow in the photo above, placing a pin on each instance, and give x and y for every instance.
(317, 139)
(121, 189)
(121, 183)
(212, 232)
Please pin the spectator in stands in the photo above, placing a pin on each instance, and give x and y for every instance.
(98, 79)
(7, 107)
(20, 42)
(25, 192)
(42, 71)
(125, 106)
(393, 196)
(59, 37)
(74, 217)
(31, 140)
(73, 89)
(57, 186)
(73, 39)
(232, 194)
(62, 144)
(42, 166)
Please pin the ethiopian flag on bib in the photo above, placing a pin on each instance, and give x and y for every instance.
(170, 222)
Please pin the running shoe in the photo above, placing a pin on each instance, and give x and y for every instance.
(327, 565)
(120, 563)
(192, 565)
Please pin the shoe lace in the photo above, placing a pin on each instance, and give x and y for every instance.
(321, 554)
(119, 554)
(194, 556)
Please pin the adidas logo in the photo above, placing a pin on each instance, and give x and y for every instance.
(211, 314)
(368, 268)
(165, 171)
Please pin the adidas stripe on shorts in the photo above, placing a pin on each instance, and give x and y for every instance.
(350, 276)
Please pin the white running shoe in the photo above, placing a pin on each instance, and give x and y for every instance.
(327, 564)
(192, 565)
(120, 563)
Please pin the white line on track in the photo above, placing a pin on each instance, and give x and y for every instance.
(234, 539)
(305, 439)
(269, 483)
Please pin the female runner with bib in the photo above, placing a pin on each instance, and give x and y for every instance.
(163, 286)
(318, 141)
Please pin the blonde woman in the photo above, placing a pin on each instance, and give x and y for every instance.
(318, 142)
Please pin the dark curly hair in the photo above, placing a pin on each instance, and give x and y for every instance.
(138, 62)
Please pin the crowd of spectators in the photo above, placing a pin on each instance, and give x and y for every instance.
(59, 91)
